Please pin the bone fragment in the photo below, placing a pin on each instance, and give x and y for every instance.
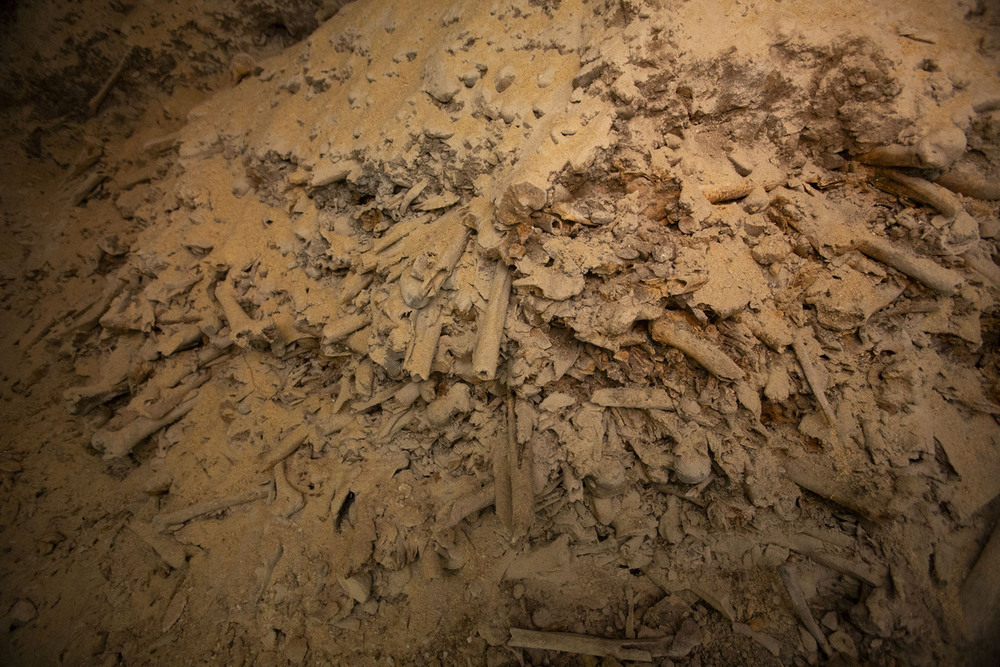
(976, 260)
(446, 263)
(81, 400)
(869, 498)
(720, 194)
(767, 327)
(86, 188)
(161, 144)
(184, 337)
(522, 506)
(412, 194)
(503, 497)
(642, 398)
(344, 326)
(789, 577)
(288, 500)
(397, 232)
(921, 269)
(967, 180)
(288, 445)
(95, 102)
(332, 172)
(427, 326)
(893, 155)
(469, 504)
(352, 286)
(378, 399)
(809, 546)
(936, 149)
(393, 424)
(166, 547)
(166, 520)
(116, 444)
(242, 328)
(673, 330)
(269, 566)
(423, 239)
(767, 641)
(569, 642)
(718, 601)
(987, 105)
(813, 377)
(922, 190)
(87, 158)
(486, 355)
(844, 236)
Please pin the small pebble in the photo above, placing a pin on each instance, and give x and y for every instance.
(504, 78)
(22, 613)
(546, 78)
(989, 228)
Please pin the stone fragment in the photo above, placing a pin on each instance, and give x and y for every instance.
(332, 172)
(771, 249)
(518, 201)
(359, 587)
(440, 86)
(741, 161)
(688, 637)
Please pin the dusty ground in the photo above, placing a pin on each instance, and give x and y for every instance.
(541, 332)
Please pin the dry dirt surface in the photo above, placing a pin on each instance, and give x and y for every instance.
(526, 332)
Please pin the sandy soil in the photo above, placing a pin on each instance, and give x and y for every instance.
(526, 332)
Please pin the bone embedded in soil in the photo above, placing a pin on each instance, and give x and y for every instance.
(500, 333)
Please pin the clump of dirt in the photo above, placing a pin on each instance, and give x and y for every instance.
(503, 334)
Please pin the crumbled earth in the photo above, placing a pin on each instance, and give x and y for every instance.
(526, 332)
